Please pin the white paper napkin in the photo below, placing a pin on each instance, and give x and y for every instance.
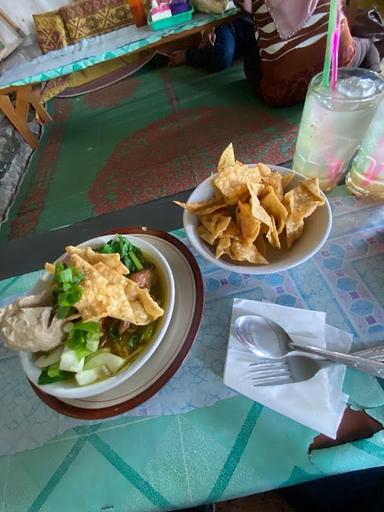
(318, 403)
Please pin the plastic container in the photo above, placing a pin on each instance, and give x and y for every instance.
(138, 12)
(177, 19)
(179, 6)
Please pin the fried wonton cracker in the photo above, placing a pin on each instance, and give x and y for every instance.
(275, 181)
(249, 225)
(112, 276)
(264, 170)
(223, 246)
(212, 227)
(274, 207)
(215, 223)
(258, 211)
(206, 235)
(232, 182)
(300, 202)
(93, 304)
(227, 158)
(287, 178)
(272, 235)
(243, 251)
(145, 309)
(50, 268)
(105, 294)
(261, 246)
(95, 301)
(112, 260)
(233, 231)
(203, 207)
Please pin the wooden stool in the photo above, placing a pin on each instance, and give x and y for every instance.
(17, 110)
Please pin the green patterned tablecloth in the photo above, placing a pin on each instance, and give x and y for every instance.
(225, 447)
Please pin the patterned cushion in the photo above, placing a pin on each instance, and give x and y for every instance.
(51, 31)
(88, 18)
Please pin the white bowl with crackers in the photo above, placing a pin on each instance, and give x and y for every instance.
(130, 318)
(256, 219)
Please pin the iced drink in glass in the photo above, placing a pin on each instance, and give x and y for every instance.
(334, 122)
(366, 177)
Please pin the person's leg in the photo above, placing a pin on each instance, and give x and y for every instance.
(244, 36)
(216, 57)
(246, 46)
(252, 69)
(366, 54)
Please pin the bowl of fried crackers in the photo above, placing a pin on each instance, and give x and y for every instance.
(258, 218)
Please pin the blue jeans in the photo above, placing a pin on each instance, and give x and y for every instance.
(233, 39)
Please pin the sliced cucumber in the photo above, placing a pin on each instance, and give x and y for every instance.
(70, 362)
(49, 358)
(89, 376)
(111, 361)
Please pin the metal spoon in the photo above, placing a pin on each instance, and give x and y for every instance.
(269, 340)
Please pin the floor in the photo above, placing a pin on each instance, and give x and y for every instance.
(265, 502)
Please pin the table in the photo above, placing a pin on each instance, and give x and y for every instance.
(226, 445)
(126, 41)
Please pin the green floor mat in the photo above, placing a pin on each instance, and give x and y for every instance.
(149, 136)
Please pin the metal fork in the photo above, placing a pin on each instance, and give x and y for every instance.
(297, 368)
(267, 372)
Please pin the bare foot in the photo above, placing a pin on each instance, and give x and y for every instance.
(177, 58)
(208, 38)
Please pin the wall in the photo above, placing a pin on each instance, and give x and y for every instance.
(21, 13)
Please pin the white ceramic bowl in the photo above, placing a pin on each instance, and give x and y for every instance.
(315, 233)
(64, 389)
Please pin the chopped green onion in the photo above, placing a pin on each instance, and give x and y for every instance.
(65, 311)
(148, 332)
(66, 289)
(71, 296)
(84, 338)
(44, 378)
(65, 276)
(134, 341)
(135, 260)
(130, 255)
(53, 370)
(82, 352)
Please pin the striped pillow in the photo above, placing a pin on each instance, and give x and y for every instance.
(88, 18)
(288, 65)
(50, 31)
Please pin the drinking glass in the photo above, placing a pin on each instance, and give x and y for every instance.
(366, 177)
(333, 123)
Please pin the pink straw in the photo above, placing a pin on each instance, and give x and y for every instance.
(335, 48)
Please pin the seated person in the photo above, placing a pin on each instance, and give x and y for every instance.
(291, 40)
(219, 46)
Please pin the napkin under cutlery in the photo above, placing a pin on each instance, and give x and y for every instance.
(319, 402)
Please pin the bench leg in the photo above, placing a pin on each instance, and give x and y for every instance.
(35, 102)
(17, 114)
(19, 122)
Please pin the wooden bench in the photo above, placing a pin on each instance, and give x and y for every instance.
(15, 100)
